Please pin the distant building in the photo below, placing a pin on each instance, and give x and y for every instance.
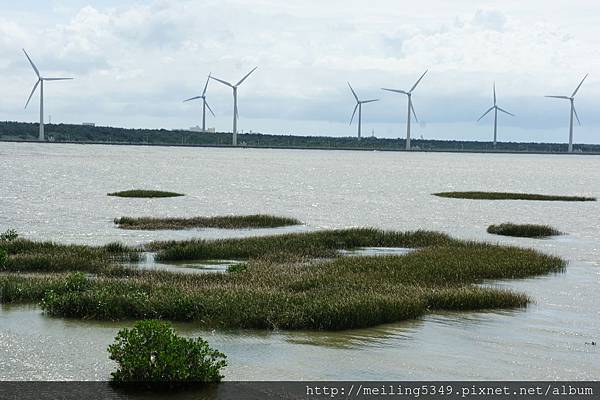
(88, 123)
(199, 129)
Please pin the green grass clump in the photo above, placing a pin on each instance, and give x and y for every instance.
(510, 196)
(295, 245)
(145, 193)
(224, 222)
(29, 256)
(295, 281)
(523, 230)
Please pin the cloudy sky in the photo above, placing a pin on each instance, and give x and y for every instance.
(135, 61)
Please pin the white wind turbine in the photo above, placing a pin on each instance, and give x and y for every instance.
(573, 111)
(235, 107)
(410, 107)
(496, 109)
(40, 82)
(358, 106)
(204, 104)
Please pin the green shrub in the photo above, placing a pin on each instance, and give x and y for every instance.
(151, 352)
(9, 235)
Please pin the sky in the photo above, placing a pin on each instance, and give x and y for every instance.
(135, 61)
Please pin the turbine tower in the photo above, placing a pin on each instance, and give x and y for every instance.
(496, 109)
(573, 111)
(410, 107)
(40, 82)
(235, 107)
(359, 104)
(204, 104)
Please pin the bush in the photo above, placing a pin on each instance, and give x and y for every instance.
(9, 235)
(151, 352)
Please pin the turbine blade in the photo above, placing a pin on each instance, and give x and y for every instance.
(244, 78)
(209, 109)
(576, 116)
(353, 92)
(368, 101)
(32, 91)
(412, 108)
(206, 85)
(222, 81)
(559, 97)
(485, 113)
(395, 90)
(37, 72)
(578, 86)
(193, 98)
(354, 112)
(417, 82)
(505, 112)
(494, 93)
(57, 79)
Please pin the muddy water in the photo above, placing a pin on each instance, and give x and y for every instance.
(58, 192)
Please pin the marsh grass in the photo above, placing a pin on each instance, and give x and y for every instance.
(223, 222)
(523, 230)
(282, 286)
(316, 244)
(292, 281)
(29, 256)
(510, 196)
(145, 193)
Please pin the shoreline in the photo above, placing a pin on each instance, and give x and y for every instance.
(342, 148)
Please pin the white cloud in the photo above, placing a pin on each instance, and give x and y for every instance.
(135, 61)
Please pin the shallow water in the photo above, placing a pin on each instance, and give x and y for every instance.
(58, 192)
(185, 267)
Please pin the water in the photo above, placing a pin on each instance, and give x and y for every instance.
(149, 262)
(58, 192)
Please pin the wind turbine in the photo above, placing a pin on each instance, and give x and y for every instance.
(573, 111)
(235, 108)
(204, 104)
(359, 104)
(410, 107)
(496, 109)
(40, 82)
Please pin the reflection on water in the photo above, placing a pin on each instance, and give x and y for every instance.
(324, 189)
(149, 262)
(376, 251)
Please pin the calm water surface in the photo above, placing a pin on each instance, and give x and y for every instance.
(58, 192)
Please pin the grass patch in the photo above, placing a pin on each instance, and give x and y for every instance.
(523, 230)
(224, 222)
(317, 244)
(145, 193)
(28, 256)
(287, 284)
(510, 196)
